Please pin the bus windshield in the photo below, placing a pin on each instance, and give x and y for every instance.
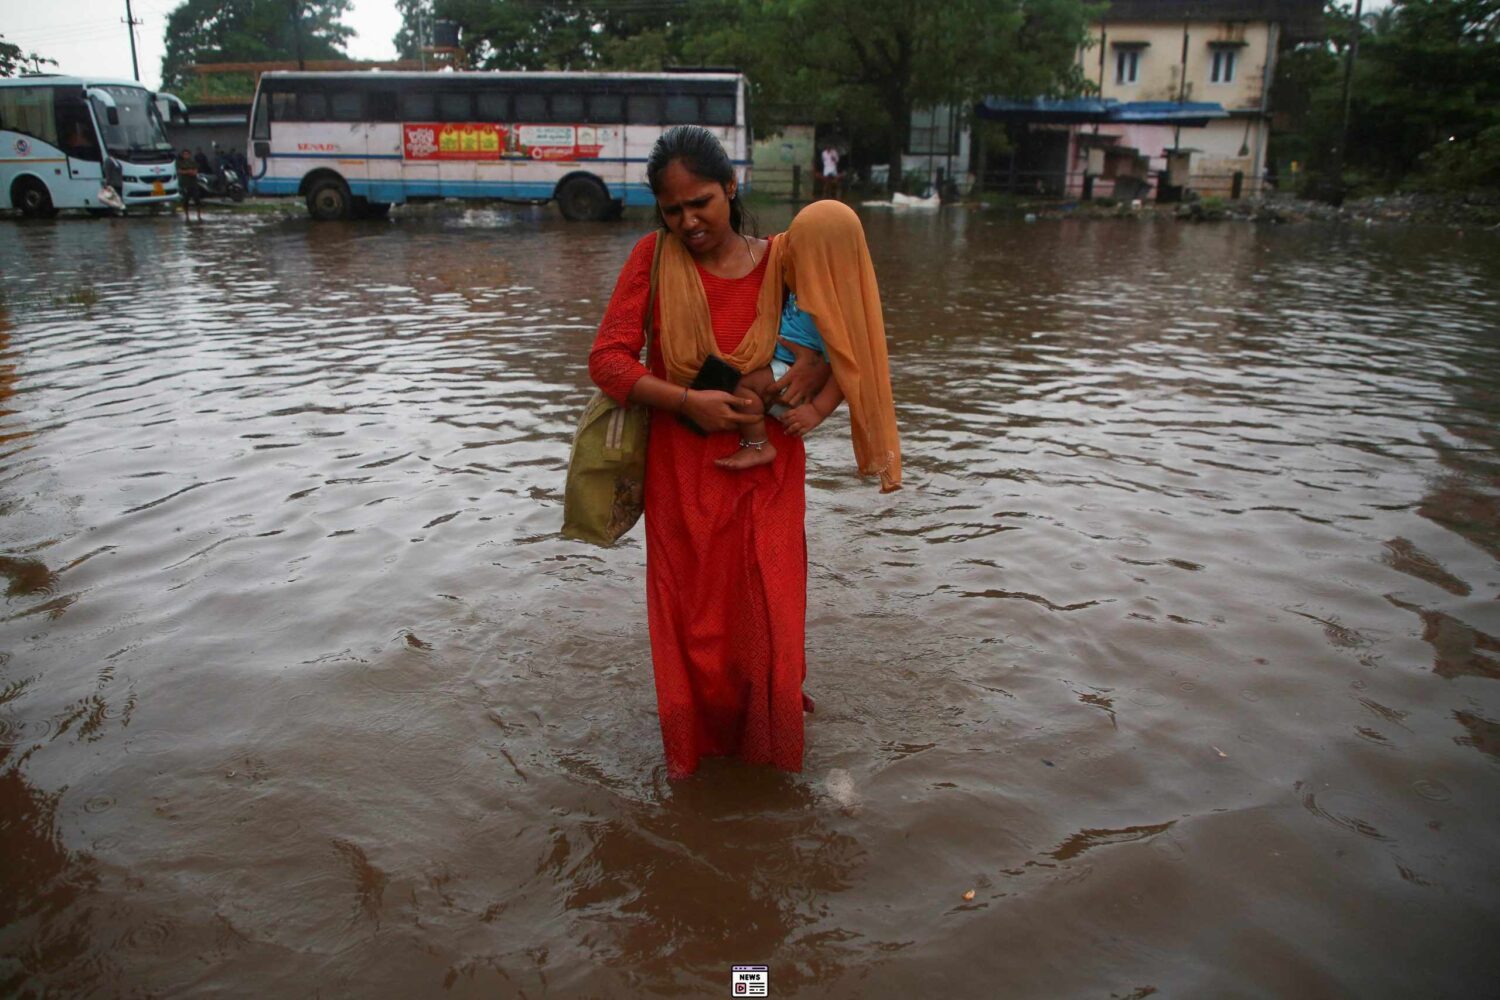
(140, 135)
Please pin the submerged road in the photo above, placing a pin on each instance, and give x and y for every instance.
(1181, 649)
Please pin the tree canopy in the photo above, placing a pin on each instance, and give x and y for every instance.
(14, 61)
(203, 31)
(1424, 96)
(862, 64)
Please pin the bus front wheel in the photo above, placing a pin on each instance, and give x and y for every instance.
(32, 198)
(328, 200)
(583, 199)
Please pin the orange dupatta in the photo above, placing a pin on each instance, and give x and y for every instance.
(823, 258)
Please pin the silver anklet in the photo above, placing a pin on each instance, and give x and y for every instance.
(757, 445)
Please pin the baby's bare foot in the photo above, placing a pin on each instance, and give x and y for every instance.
(749, 457)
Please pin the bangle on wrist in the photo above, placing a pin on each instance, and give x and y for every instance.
(683, 401)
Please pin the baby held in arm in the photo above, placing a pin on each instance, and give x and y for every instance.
(759, 393)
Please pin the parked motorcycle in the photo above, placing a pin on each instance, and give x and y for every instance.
(223, 183)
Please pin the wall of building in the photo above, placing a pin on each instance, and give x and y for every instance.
(1159, 75)
(773, 157)
(1215, 160)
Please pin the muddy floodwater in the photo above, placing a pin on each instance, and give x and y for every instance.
(1181, 648)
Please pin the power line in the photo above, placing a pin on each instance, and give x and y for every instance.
(130, 23)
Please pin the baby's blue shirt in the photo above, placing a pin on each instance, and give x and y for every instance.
(797, 327)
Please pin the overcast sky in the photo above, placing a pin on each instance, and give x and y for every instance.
(89, 36)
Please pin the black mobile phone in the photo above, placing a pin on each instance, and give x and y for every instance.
(716, 373)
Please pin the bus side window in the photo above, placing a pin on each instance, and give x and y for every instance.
(347, 106)
(284, 107)
(567, 107)
(29, 110)
(381, 105)
(606, 109)
(718, 109)
(531, 107)
(75, 127)
(492, 106)
(643, 109)
(454, 107)
(260, 128)
(312, 106)
(418, 107)
(682, 109)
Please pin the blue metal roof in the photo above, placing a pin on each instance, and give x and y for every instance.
(1086, 110)
(1167, 112)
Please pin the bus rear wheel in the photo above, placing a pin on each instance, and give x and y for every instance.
(328, 200)
(583, 199)
(32, 198)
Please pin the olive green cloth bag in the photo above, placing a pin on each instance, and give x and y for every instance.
(606, 488)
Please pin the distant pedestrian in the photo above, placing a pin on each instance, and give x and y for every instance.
(833, 177)
(204, 167)
(187, 184)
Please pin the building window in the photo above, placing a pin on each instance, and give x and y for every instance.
(1127, 65)
(1223, 67)
(931, 134)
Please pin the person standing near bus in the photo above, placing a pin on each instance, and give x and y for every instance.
(726, 551)
(187, 184)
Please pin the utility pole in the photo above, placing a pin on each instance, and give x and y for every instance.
(1350, 54)
(422, 36)
(130, 23)
(296, 11)
(1181, 87)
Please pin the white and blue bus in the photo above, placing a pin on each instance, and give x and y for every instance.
(64, 138)
(353, 144)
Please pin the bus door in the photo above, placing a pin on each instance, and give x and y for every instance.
(346, 132)
(383, 146)
(79, 140)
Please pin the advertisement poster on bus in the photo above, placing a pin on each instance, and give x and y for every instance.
(438, 141)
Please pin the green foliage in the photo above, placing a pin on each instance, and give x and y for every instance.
(865, 64)
(14, 62)
(1464, 165)
(859, 64)
(217, 87)
(1426, 85)
(203, 31)
(565, 35)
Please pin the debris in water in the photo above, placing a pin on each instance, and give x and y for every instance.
(969, 895)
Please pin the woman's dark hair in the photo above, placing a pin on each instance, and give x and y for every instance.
(703, 156)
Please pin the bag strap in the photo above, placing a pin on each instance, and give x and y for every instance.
(651, 297)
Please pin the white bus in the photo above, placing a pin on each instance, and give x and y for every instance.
(63, 138)
(353, 144)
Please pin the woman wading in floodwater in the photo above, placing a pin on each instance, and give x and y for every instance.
(726, 554)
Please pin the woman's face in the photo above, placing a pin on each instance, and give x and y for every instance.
(695, 208)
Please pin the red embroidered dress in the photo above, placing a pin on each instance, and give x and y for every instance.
(726, 553)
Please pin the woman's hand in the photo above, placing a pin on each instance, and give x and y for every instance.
(801, 419)
(806, 378)
(713, 410)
